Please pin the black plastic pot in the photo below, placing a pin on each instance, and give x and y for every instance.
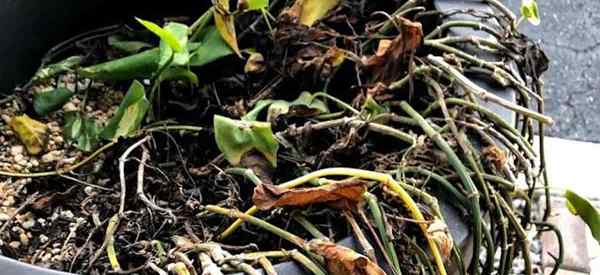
(31, 27)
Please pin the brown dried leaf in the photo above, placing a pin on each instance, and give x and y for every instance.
(345, 194)
(344, 261)
(495, 155)
(391, 54)
(225, 24)
(32, 133)
(438, 232)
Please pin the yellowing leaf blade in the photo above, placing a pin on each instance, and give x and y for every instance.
(32, 133)
(128, 118)
(225, 24)
(313, 10)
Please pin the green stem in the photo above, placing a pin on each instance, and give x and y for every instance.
(377, 215)
(473, 194)
(310, 227)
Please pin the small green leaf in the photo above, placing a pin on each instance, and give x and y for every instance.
(129, 47)
(212, 47)
(257, 4)
(529, 10)
(371, 108)
(128, 118)
(308, 100)
(235, 138)
(258, 108)
(52, 70)
(50, 101)
(583, 208)
(305, 105)
(81, 131)
(166, 36)
(180, 58)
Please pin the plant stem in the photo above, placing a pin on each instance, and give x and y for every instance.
(310, 227)
(377, 215)
(476, 25)
(473, 194)
(485, 95)
(258, 222)
(384, 179)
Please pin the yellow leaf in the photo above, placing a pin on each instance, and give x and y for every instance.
(313, 10)
(32, 133)
(224, 22)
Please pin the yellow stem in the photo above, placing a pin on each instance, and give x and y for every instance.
(364, 174)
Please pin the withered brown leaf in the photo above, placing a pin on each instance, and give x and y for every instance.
(391, 54)
(344, 194)
(344, 261)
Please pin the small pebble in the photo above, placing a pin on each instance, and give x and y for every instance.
(24, 239)
(4, 217)
(15, 244)
(69, 107)
(44, 238)
(10, 201)
(6, 118)
(16, 150)
(52, 156)
(28, 224)
(67, 214)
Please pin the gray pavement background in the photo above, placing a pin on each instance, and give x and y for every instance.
(570, 35)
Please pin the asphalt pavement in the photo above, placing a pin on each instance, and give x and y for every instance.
(570, 36)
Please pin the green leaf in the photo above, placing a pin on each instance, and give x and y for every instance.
(50, 101)
(179, 73)
(257, 4)
(180, 58)
(308, 100)
(128, 118)
(371, 108)
(139, 65)
(52, 70)
(81, 131)
(583, 208)
(235, 138)
(305, 105)
(212, 47)
(529, 10)
(129, 47)
(165, 35)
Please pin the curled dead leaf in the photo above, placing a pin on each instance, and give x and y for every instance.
(438, 232)
(495, 155)
(343, 194)
(32, 133)
(224, 21)
(392, 54)
(342, 260)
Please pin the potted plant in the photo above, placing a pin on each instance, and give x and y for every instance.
(288, 136)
